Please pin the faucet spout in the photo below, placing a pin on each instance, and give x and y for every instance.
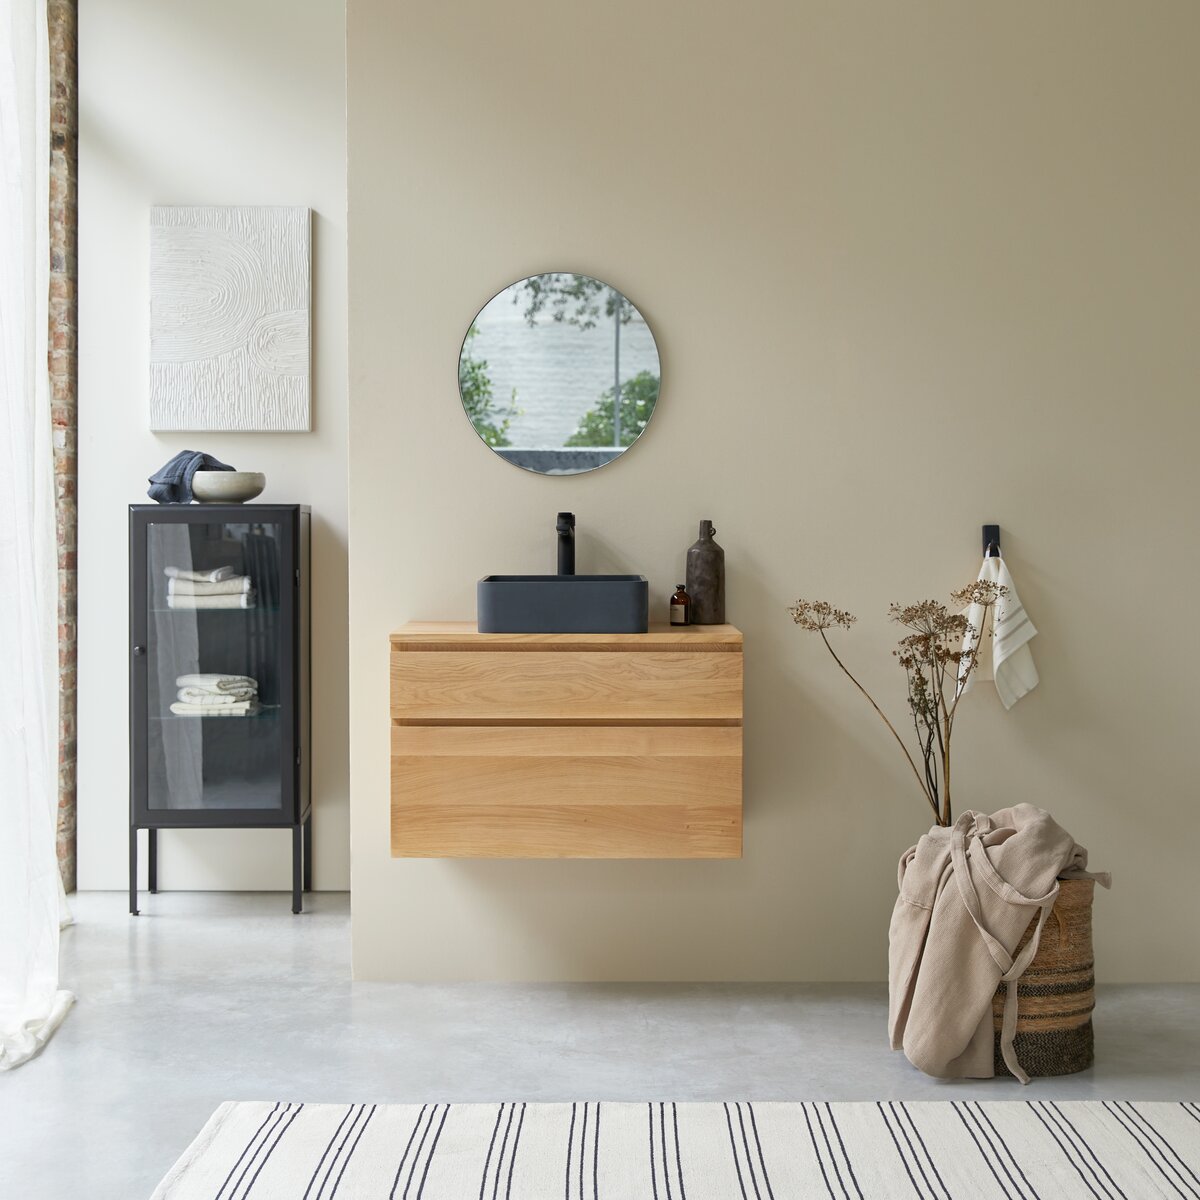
(566, 543)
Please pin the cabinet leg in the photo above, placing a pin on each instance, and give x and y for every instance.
(133, 908)
(297, 865)
(308, 852)
(152, 859)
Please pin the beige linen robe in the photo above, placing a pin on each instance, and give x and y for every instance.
(967, 894)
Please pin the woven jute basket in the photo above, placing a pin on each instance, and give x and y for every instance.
(1056, 995)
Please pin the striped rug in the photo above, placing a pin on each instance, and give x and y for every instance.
(961, 1150)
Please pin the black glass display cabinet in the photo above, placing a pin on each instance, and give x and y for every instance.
(219, 675)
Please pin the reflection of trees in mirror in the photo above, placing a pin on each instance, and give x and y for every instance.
(574, 299)
(638, 397)
(490, 420)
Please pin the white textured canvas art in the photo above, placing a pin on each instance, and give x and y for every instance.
(229, 318)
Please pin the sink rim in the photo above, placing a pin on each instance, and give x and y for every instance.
(537, 579)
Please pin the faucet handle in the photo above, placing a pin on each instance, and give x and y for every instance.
(566, 522)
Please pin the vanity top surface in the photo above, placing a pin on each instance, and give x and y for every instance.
(464, 633)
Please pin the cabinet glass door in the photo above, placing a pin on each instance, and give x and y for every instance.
(218, 672)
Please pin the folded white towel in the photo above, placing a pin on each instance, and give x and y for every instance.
(243, 600)
(1012, 630)
(243, 708)
(223, 587)
(203, 696)
(213, 576)
(216, 682)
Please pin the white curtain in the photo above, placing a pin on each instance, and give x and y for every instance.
(31, 897)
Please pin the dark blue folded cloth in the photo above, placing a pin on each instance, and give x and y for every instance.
(172, 482)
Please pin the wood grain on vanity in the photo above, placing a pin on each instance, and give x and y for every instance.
(566, 745)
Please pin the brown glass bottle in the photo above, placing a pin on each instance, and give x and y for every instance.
(681, 607)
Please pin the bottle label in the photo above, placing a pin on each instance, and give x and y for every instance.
(679, 614)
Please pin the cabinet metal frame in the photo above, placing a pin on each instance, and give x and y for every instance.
(295, 771)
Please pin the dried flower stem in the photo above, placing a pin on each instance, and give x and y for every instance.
(925, 791)
(960, 687)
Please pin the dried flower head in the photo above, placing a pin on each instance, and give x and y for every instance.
(924, 616)
(820, 614)
(921, 699)
(916, 651)
(980, 591)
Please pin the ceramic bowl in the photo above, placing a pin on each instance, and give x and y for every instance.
(227, 487)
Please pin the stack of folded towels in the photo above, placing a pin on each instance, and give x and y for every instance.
(219, 588)
(216, 696)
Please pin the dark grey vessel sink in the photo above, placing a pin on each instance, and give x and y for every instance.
(563, 604)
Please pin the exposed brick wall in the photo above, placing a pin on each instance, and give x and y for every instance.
(64, 125)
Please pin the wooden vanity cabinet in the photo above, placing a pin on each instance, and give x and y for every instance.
(566, 745)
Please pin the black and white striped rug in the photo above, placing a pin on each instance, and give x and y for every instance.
(943, 1150)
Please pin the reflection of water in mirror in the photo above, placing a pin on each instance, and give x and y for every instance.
(558, 371)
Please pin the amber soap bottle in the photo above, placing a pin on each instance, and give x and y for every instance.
(681, 607)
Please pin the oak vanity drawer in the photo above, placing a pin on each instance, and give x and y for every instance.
(490, 685)
(564, 792)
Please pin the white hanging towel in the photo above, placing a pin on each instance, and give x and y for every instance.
(1012, 630)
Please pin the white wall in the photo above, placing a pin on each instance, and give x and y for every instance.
(220, 102)
(911, 267)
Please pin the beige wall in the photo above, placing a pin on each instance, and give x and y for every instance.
(221, 102)
(911, 268)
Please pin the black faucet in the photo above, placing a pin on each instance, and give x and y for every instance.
(566, 543)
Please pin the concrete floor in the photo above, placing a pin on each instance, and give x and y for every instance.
(211, 997)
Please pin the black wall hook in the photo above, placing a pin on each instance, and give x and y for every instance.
(991, 541)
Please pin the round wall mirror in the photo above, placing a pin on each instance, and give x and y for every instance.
(559, 373)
